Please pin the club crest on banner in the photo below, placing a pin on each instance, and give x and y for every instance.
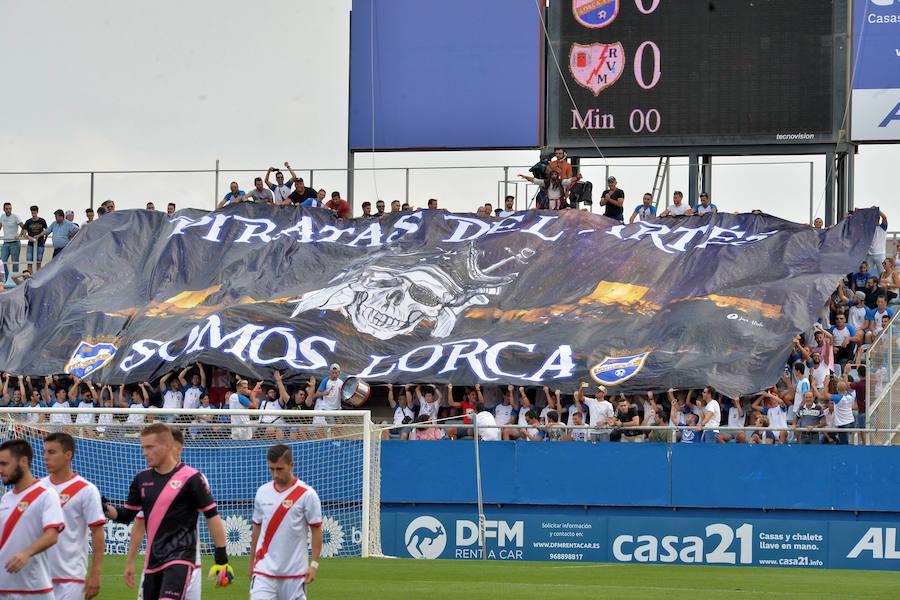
(595, 13)
(596, 66)
(612, 371)
(88, 358)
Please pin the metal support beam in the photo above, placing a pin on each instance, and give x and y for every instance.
(851, 167)
(350, 160)
(829, 188)
(841, 180)
(92, 190)
(706, 173)
(812, 195)
(216, 187)
(693, 169)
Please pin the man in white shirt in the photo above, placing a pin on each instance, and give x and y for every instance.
(11, 228)
(677, 208)
(858, 314)
(508, 207)
(280, 189)
(505, 413)
(802, 385)
(712, 417)
(487, 430)
(327, 397)
(82, 513)
(601, 412)
(172, 397)
(877, 251)
(842, 404)
(429, 402)
(820, 370)
(192, 392)
(32, 516)
(736, 418)
(286, 512)
(242, 398)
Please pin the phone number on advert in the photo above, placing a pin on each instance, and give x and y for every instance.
(566, 556)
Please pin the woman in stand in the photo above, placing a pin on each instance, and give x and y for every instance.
(889, 279)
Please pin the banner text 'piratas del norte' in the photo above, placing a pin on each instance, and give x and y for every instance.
(536, 298)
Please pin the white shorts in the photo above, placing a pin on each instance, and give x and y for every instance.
(269, 588)
(68, 590)
(44, 596)
(193, 591)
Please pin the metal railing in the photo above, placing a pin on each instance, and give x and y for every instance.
(396, 182)
(455, 423)
(883, 385)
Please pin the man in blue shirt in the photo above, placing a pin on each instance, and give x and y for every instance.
(61, 231)
(645, 210)
(809, 417)
(234, 196)
(705, 206)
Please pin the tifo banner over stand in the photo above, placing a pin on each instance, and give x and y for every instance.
(536, 298)
(549, 502)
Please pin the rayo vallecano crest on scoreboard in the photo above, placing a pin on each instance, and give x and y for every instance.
(596, 66)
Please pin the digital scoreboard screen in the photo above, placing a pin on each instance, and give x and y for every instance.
(692, 72)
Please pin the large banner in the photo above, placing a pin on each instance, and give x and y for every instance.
(536, 298)
(719, 538)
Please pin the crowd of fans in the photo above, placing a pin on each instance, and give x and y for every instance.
(824, 385)
(809, 397)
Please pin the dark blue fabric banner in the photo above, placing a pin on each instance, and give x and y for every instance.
(536, 298)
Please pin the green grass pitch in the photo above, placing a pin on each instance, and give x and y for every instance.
(374, 579)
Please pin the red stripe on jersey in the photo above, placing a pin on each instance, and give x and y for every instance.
(277, 518)
(48, 590)
(17, 513)
(95, 523)
(68, 581)
(59, 526)
(66, 494)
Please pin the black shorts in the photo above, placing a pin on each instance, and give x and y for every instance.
(170, 583)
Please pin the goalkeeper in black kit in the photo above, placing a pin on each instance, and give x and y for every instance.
(171, 494)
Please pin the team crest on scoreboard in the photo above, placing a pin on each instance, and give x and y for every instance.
(613, 371)
(595, 13)
(596, 66)
(287, 503)
(88, 358)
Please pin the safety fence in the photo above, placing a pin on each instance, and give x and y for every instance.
(883, 385)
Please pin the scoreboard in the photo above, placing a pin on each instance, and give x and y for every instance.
(695, 72)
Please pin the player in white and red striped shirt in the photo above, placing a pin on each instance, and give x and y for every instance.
(30, 522)
(82, 512)
(283, 510)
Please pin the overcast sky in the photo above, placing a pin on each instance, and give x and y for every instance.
(177, 85)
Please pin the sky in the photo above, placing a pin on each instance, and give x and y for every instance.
(109, 86)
